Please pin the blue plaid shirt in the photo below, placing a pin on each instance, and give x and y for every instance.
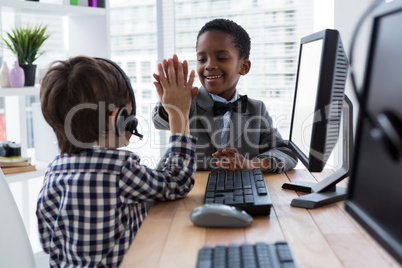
(91, 204)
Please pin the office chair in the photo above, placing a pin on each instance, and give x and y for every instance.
(15, 248)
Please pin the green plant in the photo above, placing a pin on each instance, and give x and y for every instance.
(25, 42)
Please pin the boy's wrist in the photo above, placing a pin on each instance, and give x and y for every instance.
(179, 123)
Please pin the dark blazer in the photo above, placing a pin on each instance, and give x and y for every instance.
(252, 133)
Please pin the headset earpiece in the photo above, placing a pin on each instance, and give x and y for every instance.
(389, 132)
(125, 122)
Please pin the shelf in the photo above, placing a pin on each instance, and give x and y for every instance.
(19, 91)
(24, 176)
(55, 9)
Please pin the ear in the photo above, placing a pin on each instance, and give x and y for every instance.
(245, 67)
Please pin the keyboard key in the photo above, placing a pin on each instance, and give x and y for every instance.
(219, 200)
(246, 183)
(210, 194)
(220, 183)
(262, 191)
(238, 199)
(249, 199)
(209, 200)
(248, 191)
(229, 181)
(238, 192)
(260, 184)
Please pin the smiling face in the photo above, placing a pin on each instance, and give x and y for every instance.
(218, 64)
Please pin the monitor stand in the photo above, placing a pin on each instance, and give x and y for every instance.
(326, 192)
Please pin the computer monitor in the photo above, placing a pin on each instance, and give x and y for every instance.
(318, 98)
(319, 103)
(375, 184)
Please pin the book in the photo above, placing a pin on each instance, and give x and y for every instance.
(10, 170)
(14, 161)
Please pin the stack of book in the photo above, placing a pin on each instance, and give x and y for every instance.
(14, 164)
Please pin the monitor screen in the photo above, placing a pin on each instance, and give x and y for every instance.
(317, 108)
(375, 186)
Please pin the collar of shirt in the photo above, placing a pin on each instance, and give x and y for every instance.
(219, 98)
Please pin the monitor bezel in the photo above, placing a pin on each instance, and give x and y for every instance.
(359, 214)
(329, 54)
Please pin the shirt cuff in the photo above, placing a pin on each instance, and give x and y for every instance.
(274, 164)
(162, 113)
(182, 144)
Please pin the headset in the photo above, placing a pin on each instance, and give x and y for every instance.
(386, 126)
(125, 121)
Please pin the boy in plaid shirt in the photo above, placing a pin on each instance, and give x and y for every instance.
(93, 197)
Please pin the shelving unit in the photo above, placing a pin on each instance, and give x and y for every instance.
(19, 91)
(84, 31)
(24, 176)
(87, 29)
(57, 9)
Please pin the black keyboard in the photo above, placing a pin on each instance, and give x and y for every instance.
(277, 255)
(245, 189)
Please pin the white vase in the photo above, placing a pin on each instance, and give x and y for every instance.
(5, 75)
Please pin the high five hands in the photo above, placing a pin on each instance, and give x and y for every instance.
(175, 92)
(176, 62)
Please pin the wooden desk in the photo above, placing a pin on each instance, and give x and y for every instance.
(323, 237)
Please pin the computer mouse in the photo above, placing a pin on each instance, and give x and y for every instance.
(220, 216)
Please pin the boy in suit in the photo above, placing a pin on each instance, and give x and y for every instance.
(93, 197)
(234, 132)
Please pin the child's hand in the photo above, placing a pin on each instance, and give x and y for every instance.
(175, 94)
(176, 64)
(232, 159)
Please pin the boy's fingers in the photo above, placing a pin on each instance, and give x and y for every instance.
(185, 71)
(180, 77)
(156, 77)
(191, 80)
(194, 92)
(232, 151)
(159, 90)
(223, 164)
(162, 79)
(171, 72)
(175, 61)
(165, 66)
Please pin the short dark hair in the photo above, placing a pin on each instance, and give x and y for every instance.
(241, 38)
(76, 81)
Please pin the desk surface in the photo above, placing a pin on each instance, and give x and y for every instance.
(322, 237)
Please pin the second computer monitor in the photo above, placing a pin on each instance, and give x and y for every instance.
(319, 94)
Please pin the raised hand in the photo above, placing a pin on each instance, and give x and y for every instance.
(176, 62)
(175, 93)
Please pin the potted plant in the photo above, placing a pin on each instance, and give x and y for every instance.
(25, 43)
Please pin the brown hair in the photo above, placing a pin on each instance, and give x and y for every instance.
(76, 94)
